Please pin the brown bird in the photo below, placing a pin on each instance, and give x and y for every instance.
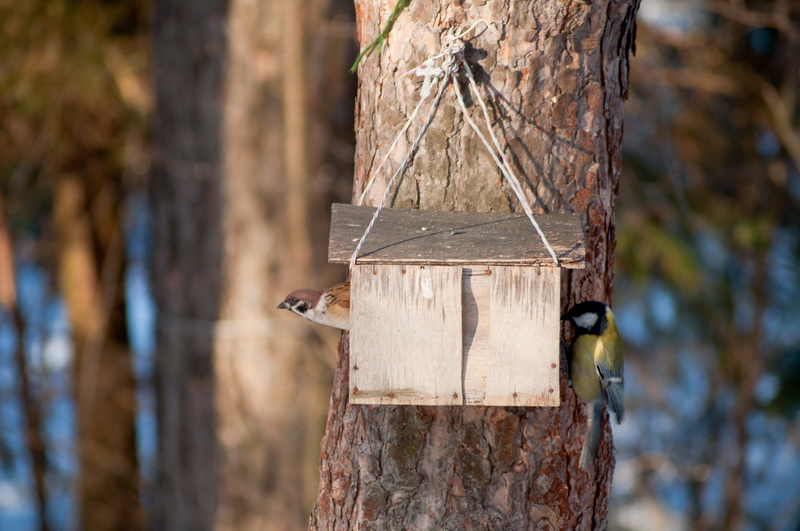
(330, 307)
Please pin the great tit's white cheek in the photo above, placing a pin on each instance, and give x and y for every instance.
(587, 320)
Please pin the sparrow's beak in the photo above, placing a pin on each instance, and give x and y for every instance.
(284, 306)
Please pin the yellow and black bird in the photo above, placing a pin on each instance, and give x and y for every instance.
(595, 368)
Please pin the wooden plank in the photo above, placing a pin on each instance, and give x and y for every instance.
(524, 338)
(457, 238)
(405, 335)
(476, 288)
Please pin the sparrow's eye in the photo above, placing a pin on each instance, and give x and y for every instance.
(293, 301)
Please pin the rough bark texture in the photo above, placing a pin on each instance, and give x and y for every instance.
(190, 47)
(555, 75)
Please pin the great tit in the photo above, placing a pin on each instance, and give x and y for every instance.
(595, 368)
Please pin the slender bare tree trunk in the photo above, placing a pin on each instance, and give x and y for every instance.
(555, 75)
(89, 232)
(189, 58)
(31, 404)
(233, 241)
(272, 382)
(257, 368)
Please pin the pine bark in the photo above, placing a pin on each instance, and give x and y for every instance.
(555, 76)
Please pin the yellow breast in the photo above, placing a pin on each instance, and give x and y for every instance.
(582, 367)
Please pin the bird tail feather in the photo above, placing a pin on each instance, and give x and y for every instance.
(592, 441)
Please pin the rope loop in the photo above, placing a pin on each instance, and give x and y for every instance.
(452, 59)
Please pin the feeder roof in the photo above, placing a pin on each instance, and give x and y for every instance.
(430, 237)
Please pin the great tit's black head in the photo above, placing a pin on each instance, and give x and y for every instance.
(589, 317)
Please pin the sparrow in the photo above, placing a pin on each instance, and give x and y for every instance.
(330, 307)
(596, 368)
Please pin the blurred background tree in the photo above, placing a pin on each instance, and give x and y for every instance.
(707, 261)
(252, 100)
(72, 138)
(707, 274)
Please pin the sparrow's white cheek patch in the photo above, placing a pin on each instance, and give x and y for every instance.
(586, 320)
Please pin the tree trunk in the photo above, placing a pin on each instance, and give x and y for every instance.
(31, 404)
(273, 379)
(258, 207)
(555, 75)
(87, 217)
(189, 59)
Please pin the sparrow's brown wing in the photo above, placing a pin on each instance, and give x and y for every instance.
(341, 294)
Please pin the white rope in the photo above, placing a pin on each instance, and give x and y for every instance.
(505, 166)
(401, 169)
(453, 54)
(431, 74)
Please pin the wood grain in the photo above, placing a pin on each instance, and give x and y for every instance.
(405, 335)
(524, 337)
(477, 336)
(434, 237)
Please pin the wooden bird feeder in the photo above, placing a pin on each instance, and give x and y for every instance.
(454, 308)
